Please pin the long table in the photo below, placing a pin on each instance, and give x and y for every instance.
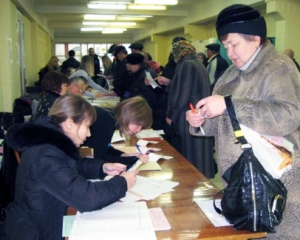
(185, 217)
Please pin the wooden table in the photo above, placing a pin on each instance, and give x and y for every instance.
(185, 217)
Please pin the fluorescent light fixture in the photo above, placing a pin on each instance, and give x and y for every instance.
(111, 2)
(147, 7)
(95, 23)
(156, 2)
(131, 18)
(112, 31)
(99, 17)
(123, 23)
(107, 6)
(91, 29)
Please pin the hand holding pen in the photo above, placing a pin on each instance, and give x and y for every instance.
(195, 119)
(143, 157)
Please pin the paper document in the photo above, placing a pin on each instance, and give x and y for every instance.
(159, 219)
(148, 133)
(149, 166)
(117, 137)
(114, 222)
(67, 225)
(151, 80)
(208, 208)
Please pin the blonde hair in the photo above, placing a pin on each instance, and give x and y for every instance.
(87, 64)
(107, 63)
(133, 110)
(74, 107)
(51, 60)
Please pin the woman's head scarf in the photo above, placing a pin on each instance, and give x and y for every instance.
(181, 49)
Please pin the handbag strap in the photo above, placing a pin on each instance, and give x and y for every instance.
(235, 123)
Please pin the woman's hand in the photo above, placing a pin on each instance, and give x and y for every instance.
(212, 106)
(144, 158)
(162, 80)
(111, 94)
(194, 118)
(113, 168)
(130, 178)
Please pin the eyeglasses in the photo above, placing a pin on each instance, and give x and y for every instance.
(80, 89)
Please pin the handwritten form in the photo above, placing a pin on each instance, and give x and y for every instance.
(114, 222)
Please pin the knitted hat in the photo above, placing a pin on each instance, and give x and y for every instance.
(135, 58)
(119, 49)
(240, 18)
(136, 45)
(213, 46)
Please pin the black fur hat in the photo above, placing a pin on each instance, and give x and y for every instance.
(240, 18)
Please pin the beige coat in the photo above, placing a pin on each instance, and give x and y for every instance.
(266, 98)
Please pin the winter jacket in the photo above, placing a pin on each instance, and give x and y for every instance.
(51, 177)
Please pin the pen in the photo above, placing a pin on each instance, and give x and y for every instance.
(194, 111)
(138, 148)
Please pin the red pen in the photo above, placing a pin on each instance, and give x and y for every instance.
(194, 111)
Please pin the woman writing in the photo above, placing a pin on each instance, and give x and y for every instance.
(52, 176)
(265, 91)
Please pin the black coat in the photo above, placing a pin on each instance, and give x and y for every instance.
(50, 178)
(190, 84)
(101, 134)
(45, 104)
(71, 62)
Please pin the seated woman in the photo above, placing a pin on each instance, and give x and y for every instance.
(52, 65)
(86, 70)
(52, 176)
(130, 117)
(55, 84)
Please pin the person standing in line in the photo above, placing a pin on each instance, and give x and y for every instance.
(52, 176)
(216, 65)
(97, 68)
(265, 91)
(71, 62)
(190, 77)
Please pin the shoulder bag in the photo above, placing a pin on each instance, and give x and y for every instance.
(253, 200)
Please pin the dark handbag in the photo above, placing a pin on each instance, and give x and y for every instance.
(253, 200)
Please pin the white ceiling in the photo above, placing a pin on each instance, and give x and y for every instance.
(65, 16)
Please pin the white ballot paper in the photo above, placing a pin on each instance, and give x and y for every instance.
(114, 222)
(151, 80)
(208, 208)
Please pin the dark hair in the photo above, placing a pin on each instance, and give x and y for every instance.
(52, 81)
(71, 53)
(133, 110)
(74, 107)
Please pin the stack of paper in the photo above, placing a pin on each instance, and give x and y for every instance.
(149, 133)
(148, 188)
(107, 101)
(117, 221)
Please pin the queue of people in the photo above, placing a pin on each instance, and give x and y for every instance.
(263, 85)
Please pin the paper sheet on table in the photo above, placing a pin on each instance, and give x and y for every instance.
(148, 133)
(148, 188)
(1, 140)
(129, 219)
(153, 157)
(151, 80)
(117, 137)
(149, 166)
(208, 208)
(159, 220)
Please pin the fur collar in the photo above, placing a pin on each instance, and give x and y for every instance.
(42, 131)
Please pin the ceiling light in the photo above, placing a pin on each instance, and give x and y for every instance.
(123, 23)
(91, 29)
(131, 18)
(107, 6)
(99, 17)
(113, 30)
(95, 23)
(147, 7)
(111, 2)
(158, 2)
